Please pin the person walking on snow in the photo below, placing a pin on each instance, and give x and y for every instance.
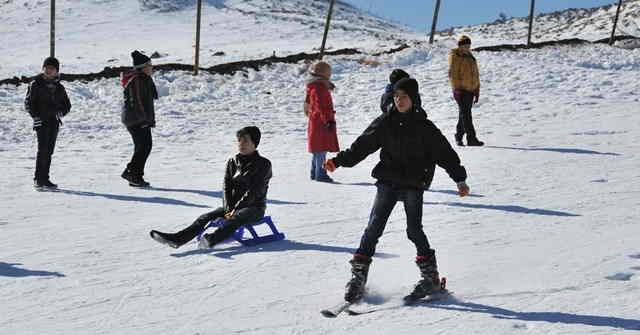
(138, 115)
(322, 135)
(408, 144)
(246, 181)
(47, 103)
(465, 82)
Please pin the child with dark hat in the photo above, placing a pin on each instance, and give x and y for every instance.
(47, 103)
(138, 115)
(246, 181)
(409, 143)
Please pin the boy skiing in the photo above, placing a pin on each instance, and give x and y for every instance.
(408, 144)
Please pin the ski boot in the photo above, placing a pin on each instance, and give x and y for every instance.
(359, 272)
(165, 238)
(430, 282)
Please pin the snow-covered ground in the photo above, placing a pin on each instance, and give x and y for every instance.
(547, 243)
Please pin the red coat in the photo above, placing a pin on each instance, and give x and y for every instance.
(319, 137)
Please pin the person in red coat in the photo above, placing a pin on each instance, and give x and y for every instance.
(322, 136)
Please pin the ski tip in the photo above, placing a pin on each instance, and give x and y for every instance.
(328, 314)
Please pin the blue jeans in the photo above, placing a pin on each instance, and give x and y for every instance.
(386, 198)
(317, 171)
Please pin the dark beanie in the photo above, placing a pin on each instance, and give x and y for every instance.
(396, 75)
(139, 60)
(253, 132)
(52, 61)
(409, 86)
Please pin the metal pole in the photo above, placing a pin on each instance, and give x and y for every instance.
(615, 23)
(52, 32)
(197, 60)
(533, 5)
(435, 21)
(326, 28)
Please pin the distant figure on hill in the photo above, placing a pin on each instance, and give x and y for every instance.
(246, 181)
(322, 136)
(465, 82)
(138, 115)
(47, 103)
(408, 143)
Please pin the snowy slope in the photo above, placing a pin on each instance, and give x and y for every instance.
(546, 244)
(586, 23)
(93, 34)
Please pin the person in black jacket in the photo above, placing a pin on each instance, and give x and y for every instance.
(386, 103)
(138, 115)
(246, 181)
(47, 103)
(408, 143)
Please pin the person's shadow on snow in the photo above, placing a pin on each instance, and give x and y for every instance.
(560, 150)
(552, 317)
(218, 194)
(229, 250)
(153, 200)
(506, 208)
(11, 270)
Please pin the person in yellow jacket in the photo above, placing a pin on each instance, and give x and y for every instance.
(465, 82)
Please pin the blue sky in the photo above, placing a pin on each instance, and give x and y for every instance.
(419, 13)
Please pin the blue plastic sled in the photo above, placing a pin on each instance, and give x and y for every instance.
(254, 239)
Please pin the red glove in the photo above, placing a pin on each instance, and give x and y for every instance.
(463, 189)
(329, 165)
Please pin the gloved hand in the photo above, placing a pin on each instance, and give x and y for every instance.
(476, 95)
(330, 124)
(329, 165)
(463, 189)
(37, 123)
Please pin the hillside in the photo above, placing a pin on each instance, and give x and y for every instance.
(586, 23)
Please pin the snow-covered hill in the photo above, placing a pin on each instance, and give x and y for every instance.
(97, 33)
(586, 23)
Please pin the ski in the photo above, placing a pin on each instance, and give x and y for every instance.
(410, 300)
(336, 310)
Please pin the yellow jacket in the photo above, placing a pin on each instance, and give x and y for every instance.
(463, 71)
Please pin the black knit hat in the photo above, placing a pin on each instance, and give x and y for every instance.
(253, 132)
(51, 61)
(139, 60)
(396, 75)
(409, 86)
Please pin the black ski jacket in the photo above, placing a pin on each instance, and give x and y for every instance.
(45, 99)
(409, 144)
(246, 181)
(139, 93)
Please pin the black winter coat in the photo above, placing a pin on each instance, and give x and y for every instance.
(45, 99)
(139, 93)
(409, 144)
(246, 182)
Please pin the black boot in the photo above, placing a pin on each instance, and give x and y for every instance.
(459, 141)
(359, 272)
(475, 142)
(166, 238)
(430, 282)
